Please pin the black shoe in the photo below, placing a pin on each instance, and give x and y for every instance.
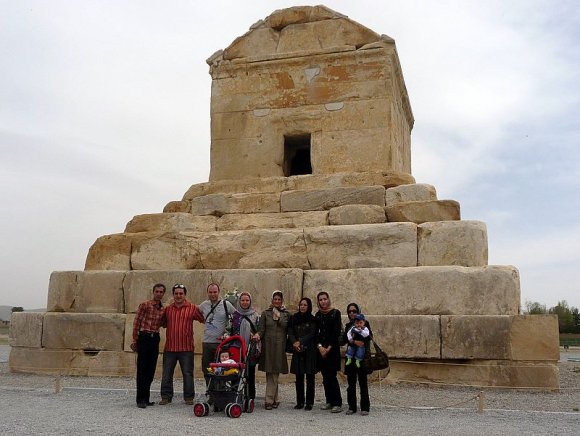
(141, 405)
(299, 406)
(308, 407)
(150, 403)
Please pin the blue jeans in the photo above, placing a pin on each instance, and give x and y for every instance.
(357, 352)
(170, 359)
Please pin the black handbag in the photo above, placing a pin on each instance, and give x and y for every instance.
(377, 360)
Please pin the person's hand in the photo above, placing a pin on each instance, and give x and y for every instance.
(296, 345)
(134, 346)
(256, 337)
(323, 351)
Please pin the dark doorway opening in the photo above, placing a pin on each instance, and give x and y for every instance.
(297, 155)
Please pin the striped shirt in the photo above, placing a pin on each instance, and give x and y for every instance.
(179, 323)
(148, 318)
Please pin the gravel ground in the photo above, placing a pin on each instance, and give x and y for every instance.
(105, 405)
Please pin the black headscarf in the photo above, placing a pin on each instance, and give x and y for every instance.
(300, 317)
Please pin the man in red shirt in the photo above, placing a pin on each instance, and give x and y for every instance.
(178, 320)
(146, 343)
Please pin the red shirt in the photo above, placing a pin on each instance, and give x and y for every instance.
(179, 323)
(148, 318)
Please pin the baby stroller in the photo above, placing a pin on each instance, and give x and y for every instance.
(227, 388)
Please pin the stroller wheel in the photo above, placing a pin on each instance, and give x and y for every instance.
(235, 410)
(206, 409)
(199, 409)
(250, 407)
(227, 409)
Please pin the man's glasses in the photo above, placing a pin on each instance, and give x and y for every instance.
(179, 287)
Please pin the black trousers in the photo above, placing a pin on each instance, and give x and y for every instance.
(352, 374)
(309, 389)
(251, 381)
(147, 354)
(208, 356)
(331, 386)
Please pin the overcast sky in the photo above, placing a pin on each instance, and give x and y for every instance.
(104, 114)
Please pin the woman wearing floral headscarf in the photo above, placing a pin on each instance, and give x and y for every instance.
(302, 336)
(272, 331)
(245, 324)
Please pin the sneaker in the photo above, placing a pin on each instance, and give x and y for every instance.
(348, 361)
(336, 409)
(308, 407)
(364, 412)
(141, 405)
(189, 401)
(299, 406)
(357, 363)
(164, 401)
(327, 406)
(350, 412)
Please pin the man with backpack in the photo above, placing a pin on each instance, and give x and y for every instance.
(217, 314)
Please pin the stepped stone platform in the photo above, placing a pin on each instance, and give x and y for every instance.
(310, 189)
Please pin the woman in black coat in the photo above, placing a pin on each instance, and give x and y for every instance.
(354, 372)
(329, 327)
(302, 336)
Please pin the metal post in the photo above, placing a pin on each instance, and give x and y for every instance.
(57, 384)
(481, 404)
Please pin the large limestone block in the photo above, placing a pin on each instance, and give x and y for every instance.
(350, 179)
(534, 337)
(259, 282)
(26, 329)
(248, 249)
(260, 248)
(324, 199)
(170, 222)
(300, 182)
(72, 362)
(362, 246)
(112, 252)
(493, 373)
(62, 291)
(454, 290)
(406, 336)
(461, 243)
(475, 337)
(171, 250)
(356, 214)
(86, 291)
(286, 220)
(424, 211)
(44, 361)
(410, 192)
(221, 204)
(176, 206)
(83, 331)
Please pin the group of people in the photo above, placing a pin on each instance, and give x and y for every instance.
(313, 339)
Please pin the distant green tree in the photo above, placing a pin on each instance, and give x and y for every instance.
(535, 308)
(17, 309)
(565, 317)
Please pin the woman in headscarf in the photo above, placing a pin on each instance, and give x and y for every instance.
(245, 324)
(329, 336)
(272, 331)
(354, 372)
(302, 336)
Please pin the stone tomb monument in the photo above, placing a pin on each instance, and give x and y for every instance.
(310, 189)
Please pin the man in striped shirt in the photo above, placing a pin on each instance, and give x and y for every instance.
(178, 320)
(146, 343)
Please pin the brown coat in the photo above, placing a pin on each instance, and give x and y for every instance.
(273, 336)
